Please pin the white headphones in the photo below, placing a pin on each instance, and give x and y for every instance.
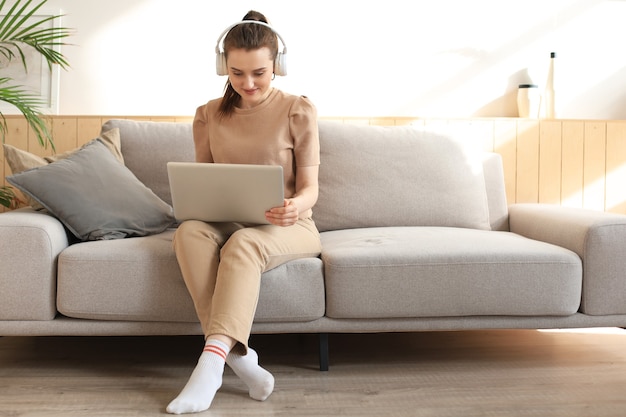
(280, 64)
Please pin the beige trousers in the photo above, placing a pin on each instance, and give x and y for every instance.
(222, 264)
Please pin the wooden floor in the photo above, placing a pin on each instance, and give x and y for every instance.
(460, 374)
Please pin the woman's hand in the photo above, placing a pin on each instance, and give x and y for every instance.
(287, 215)
(304, 198)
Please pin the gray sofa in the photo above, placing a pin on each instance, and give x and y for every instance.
(416, 236)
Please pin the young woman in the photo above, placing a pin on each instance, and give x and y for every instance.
(222, 263)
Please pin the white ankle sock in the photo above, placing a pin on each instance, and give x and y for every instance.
(204, 382)
(259, 381)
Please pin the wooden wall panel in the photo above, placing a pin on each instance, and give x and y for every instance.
(577, 163)
(550, 162)
(505, 143)
(594, 165)
(527, 177)
(87, 128)
(615, 200)
(65, 134)
(572, 163)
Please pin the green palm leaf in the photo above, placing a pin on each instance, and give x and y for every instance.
(21, 28)
(28, 104)
(43, 40)
(15, 35)
(7, 197)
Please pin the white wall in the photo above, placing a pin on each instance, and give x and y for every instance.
(352, 58)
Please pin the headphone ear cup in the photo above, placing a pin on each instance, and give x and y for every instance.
(280, 64)
(220, 64)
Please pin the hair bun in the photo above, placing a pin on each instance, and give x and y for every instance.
(254, 15)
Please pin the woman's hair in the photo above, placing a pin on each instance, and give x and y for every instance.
(246, 36)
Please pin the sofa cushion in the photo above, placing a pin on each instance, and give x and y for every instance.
(446, 272)
(139, 279)
(95, 196)
(397, 176)
(148, 147)
(20, 160)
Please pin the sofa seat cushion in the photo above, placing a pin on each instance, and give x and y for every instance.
(401, 272)
(139, 279)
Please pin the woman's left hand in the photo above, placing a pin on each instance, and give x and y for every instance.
(287, 215)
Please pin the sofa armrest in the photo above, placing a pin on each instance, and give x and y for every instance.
(30, 243)
(599, 238)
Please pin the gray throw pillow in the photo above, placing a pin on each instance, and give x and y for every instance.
(20, 160)
(95, 196)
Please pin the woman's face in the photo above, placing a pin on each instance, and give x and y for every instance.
(250, 74)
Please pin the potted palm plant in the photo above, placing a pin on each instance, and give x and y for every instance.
(21, 29)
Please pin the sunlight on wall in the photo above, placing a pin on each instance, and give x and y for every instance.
(448, 58)
(451, 58)
(574, 199)
(146, 68)
(616, 202)
(594, 194)
(591, 65)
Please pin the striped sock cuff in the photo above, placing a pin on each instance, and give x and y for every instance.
(217, 347)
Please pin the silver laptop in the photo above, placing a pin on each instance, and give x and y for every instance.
(224, 192)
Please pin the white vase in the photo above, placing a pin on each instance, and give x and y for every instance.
(528, 100)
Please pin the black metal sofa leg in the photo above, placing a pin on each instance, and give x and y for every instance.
(323, 339)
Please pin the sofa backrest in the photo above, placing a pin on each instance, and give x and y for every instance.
(370, 176)
(496, 191)
(147, 147)
(378, 176)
